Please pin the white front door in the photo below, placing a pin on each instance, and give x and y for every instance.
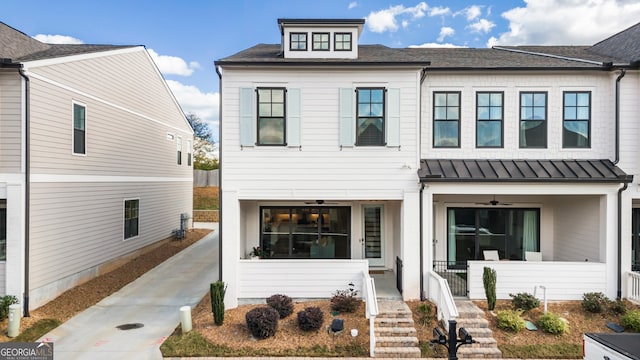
(373, 231)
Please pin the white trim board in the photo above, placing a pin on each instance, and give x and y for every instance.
(55, 178)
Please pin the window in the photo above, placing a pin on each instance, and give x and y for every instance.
(79, 129)
(131, 214)
(489, 115)
(298, 41)
(179, 149)
(321, 41)
(308, 232)
(577, 116)
(370, 116)
(533, 119)
(188, 152)
(635, 239)
(512, 232)
(271, 116)
(3, 229)
(342, 42)
(446, 119)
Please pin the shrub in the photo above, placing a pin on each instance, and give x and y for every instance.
(345, 300)
(618, 307)
(631, 320)
(510, 320)
(424, 312)
(310, 318)
(262, 322)
(489, 279)
(5, 302)
(524, 301)
(552, 323)
(282, 304)
(595, 302)
(217, 290)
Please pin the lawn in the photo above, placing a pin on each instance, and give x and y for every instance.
(205, 198)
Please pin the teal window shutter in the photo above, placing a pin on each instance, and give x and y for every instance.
(393, 119)
(347, 117)
(294, 104)
(247, 121)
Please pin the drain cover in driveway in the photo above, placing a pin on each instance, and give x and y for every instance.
(130, 326)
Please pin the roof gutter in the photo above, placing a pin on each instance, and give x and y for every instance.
(423, 76)
(218, 71)
(623, 188)
(617, 115)
(27, 192)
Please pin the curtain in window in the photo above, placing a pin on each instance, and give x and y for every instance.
(452, 236)
(529, 231)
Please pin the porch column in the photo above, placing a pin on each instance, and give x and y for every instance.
(14, 271)
(625, 215)
(230, 246)
(410, 251)
(609, 226)
(427, 237)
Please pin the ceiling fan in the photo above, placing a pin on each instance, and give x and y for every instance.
(493, 202)
(319, 202)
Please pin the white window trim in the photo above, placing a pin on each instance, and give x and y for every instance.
(86, 111)
(124, 202)
(179, 149)
(189, 152)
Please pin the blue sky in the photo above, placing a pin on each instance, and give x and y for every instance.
(186, 36)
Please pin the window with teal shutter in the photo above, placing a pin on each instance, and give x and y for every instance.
(294, 110)
(346, 117)
(393, 119)
(247, 122)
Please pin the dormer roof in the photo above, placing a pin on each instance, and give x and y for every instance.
(321, 22)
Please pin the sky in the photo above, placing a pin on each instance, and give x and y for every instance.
(185, 37)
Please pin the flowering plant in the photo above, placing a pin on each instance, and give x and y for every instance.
(257, 251)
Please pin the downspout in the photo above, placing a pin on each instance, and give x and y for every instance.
(27, 192)
(219, 174)
(423, 76)
(617, 159)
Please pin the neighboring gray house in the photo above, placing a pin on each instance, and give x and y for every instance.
(95, 161)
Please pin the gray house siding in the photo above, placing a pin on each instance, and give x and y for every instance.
(10, 121)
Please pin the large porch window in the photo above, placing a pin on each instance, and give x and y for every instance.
(308, 232)
(470, 231)
(635, 239)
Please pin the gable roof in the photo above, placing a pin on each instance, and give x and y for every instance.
(19, 47)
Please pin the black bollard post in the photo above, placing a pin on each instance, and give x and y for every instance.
(453, 340)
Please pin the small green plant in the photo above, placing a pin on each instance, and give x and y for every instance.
(262, 322)
(510, 320)
(217, 291)
(257, 252)
(310, 318)
(5, 302)
(489, 278)
(595, 302)
(524, 301)
(618, 307)
(424, 312)
(345, 300)
(552, 323)
(282, 304)
(631, 320)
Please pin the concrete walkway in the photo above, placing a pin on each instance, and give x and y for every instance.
(152, 300)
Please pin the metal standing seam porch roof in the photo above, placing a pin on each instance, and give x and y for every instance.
(525, 170)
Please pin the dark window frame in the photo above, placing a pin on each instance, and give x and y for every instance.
(297, 41)
(336, 42)
(189, 147)
(179, 149)
(79, 140)
(544, 120)
(458, 121)
(565, 120)
(128, 231)
(383, 117)
(283, 117)
(314, 43)
(478, 93)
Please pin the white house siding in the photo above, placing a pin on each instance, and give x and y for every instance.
(629, 124)
(77, 226)
(577, 218)
(10, 121)
(601, 85)
(2, 277)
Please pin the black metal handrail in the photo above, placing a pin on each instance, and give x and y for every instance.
(399, 274)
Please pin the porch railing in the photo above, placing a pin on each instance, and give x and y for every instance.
(371, 310)
(440, 294)
(633, 287)
(455, 272)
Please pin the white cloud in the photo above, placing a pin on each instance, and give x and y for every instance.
(444, 32)
(193, 100)
(352, 5)
(173, 65)
(482, 26)
(57, 39)
(567, 22)
(385, 20)
(438, 10)
(472, 12)
(436, 45)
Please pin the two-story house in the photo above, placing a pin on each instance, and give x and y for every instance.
(339, 158)
(95, 162)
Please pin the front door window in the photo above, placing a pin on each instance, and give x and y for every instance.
(372, 219)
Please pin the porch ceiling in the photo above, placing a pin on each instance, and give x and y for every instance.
(524, 170)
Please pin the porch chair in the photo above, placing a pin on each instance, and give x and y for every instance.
(533, 256)
(491, 255)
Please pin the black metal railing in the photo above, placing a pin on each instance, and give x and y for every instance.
(455, 272)
(399, 274)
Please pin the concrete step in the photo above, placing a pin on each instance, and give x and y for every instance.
(483, 342)
(397, 352)
(472, 323)
(393, 322)
(396, 341)
(466, 352)
(391, 331)
(479, 332)
(395, 315)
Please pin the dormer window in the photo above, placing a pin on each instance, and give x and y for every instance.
(320, 42)
(298, 41)
(342, 42)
